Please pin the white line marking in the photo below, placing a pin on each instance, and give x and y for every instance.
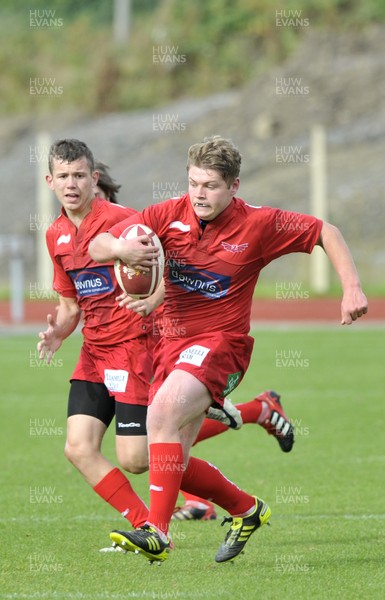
(303, 517)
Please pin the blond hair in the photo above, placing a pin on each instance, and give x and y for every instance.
(218, 154)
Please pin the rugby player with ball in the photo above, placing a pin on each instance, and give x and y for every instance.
(215, 246)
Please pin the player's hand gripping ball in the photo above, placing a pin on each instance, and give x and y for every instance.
(138, 284)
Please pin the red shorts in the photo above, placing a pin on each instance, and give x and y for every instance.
(125, 369)
(219, 360)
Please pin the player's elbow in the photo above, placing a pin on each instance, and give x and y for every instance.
(328, 232)
(93, 249)
(97, 248)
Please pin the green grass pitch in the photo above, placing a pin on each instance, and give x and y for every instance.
(327, 496)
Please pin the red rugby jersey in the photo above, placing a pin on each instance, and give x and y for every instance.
(210, 276)
(93, 284)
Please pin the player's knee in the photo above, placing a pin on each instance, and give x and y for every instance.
(77, 453)
(134, 464)
(167, 423)
(71, 453)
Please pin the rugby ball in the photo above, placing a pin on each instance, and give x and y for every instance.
(136, 283)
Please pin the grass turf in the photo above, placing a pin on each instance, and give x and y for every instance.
(327, 533)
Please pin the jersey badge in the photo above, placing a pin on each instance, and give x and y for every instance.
(234, 248)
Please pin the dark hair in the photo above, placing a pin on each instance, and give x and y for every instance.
(106, 183)
(218, 154)
(68, 151)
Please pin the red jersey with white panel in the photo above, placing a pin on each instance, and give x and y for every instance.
(210, 274)
(93, 284)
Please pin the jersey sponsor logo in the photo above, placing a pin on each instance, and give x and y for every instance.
(179, 225)
(63, 239)
(232, 381)
(209, 284)
(234, 248)
(92, 281)
(115, 380)
(194, 355)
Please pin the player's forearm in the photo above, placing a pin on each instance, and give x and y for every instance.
(67, 319)
(339, 254)
(105, 247)
(157, 297)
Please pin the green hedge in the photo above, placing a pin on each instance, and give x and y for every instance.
(64, 57)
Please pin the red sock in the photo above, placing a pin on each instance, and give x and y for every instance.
(209, 429)
(166, 472)
(191, 498)
(250, 411)
(206, 481)
(115, 489)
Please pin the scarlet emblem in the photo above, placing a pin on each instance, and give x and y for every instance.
(234, 248)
